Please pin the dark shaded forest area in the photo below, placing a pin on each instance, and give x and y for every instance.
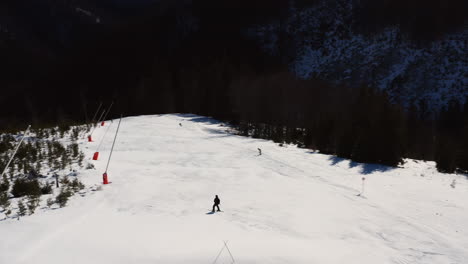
(185, 56)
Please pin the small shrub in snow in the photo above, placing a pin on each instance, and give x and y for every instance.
(50, 202)
(47, 188)
(23, 187)
(65, 161)
(76, 185)
(89, 166)
(11, 171)
(33, 203)
(80, 159)
(4, 201)
(5, 184)
(73, 150)
(38, 167)
(63, 129)
(454, 183)
(8, 213)
(65, 181)
(63, 196)
(21, 208)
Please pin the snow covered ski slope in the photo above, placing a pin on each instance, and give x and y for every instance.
(288, 205)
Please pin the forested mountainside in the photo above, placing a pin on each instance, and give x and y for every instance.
(414, 51)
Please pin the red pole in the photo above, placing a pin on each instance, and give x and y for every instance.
(96, 156)
(90, 139)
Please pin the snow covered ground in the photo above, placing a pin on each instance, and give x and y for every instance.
(288, 205)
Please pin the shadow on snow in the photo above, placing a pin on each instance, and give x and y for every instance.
(199, 119)
(365, 168)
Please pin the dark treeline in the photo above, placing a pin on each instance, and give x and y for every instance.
(358, 124)
(195, 57)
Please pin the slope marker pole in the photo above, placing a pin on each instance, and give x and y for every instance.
(96, 154)
(100, 117)
(105, 116)
(362, 187)
(90, 137)
(97, 111)
(16, 150)
(104, 176)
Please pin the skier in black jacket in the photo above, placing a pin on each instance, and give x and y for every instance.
(216, 203)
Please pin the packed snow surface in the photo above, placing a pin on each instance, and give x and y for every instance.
(289, 205)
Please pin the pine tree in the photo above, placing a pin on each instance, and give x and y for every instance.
(346, 143)
(4, 201)
(21, 208)
(5, 184)
(450, 128)
(445, 155)
(462, 154)
(38, 167)
(65, 161)
(76, 185)
(33, 203)
(80, 159)
(63, 196)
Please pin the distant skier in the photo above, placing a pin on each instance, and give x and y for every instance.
(259, 151)
(180, 124)
(216, 204)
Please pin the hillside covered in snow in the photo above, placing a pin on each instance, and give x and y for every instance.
(324, 42)
(287, 205)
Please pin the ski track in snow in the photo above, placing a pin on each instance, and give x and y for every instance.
(287, 205)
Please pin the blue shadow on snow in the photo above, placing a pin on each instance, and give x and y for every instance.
(199, 119)
(365, 168)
